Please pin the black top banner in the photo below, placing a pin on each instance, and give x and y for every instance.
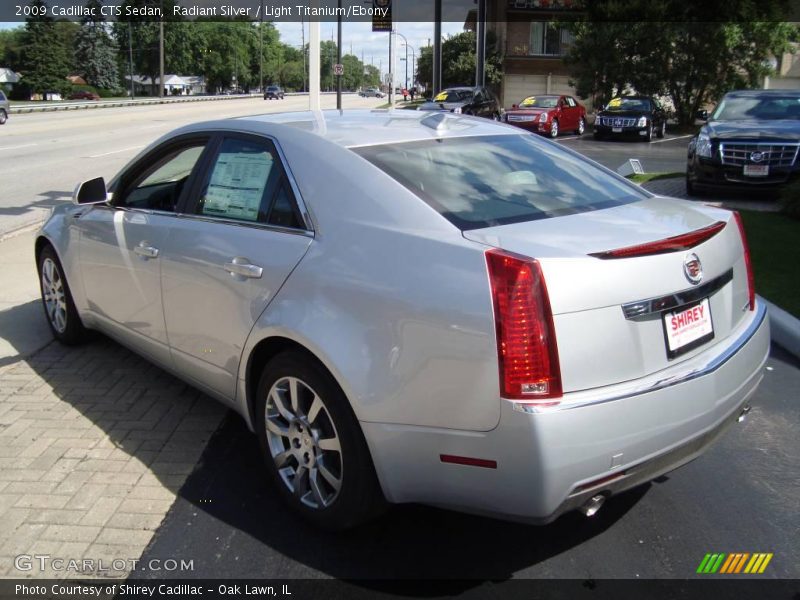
(382, 13)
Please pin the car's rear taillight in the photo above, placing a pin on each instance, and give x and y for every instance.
(526, 341)
(751, 288)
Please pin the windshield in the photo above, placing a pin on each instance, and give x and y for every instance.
(762, 108)
(453, 96)
(477, 182)
(620, 104)
(540, 102)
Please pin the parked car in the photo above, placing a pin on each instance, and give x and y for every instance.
(413, 307)
(371, 93)
(5, 108)
(548, 115)
(478, 101)
(84, 95)
(274, 92)
(639, 116)
(750, 141)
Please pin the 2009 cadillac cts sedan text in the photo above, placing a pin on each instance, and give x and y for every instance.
(416, 307)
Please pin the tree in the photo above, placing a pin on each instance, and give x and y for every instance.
(96, 51)
(677, 49)
(459, 61)
(11, 42)
(44, 60)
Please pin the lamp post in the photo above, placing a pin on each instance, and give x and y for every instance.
(413, 65)
(405, 43)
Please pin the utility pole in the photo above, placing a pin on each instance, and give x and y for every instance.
(161, 53)
(261, 49)
(313, 62)
(130, 57)
(480, 53)
(339, 56)
(437, 47)
(391, 73)
(303, 48)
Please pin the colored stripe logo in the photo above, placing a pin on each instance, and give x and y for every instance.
(737, 562)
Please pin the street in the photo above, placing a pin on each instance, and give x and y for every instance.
(44, 155)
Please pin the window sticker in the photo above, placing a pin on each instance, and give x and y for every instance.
(530, 101)
(237, 185)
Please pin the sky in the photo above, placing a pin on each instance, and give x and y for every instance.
(373, 46)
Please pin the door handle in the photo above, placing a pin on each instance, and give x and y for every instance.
(241, 266)
(146, 251)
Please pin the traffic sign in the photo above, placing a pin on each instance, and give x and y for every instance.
(338, 69)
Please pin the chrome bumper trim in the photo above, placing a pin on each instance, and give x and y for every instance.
(643, 309)
(711, 366)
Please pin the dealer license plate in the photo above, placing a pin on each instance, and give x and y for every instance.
(756, 170)
(616, 130)
(688, 328)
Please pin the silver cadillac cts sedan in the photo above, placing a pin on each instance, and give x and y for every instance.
(413, 307)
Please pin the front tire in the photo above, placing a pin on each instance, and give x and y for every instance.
(649, 136)
(313, 446)
(554, 129)
(3, 116)
(59, 308)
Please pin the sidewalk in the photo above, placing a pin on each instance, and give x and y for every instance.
(95, 442)
(675, 187)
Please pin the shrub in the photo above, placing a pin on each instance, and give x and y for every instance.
(790, 199)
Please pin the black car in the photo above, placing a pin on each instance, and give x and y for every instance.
(750, 142)
(478, 101)
(273, 92)
(632, 116)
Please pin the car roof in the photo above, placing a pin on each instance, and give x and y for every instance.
(764, 93)
(355, 128)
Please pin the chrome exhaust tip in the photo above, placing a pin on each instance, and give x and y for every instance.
(742, 415)
(592, 505)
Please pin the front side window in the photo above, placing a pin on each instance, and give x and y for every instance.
(160, 186)
(247, 183)
(477, 182)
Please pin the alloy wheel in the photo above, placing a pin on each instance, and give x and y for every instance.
(554, 129)
(54, 297)
(303, 442)
(581, 126)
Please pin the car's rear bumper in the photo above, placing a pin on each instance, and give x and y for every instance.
(600, 441)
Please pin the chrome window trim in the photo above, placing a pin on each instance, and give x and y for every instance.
(712, 365)
(250, 224)
(640, 310)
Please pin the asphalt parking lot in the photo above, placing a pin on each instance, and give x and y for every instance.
(667, 155)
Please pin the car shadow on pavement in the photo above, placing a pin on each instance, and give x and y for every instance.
(45, 200)
(230, 520)
(23, 330)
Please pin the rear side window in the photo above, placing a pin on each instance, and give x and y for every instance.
(2, 97)
(477, 182)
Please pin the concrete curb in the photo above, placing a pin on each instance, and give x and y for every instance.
(784, 327)
(18, 110)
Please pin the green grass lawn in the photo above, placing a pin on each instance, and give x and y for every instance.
(774, 241)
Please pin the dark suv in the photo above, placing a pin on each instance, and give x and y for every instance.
(478, 101)
(273, 92)
(639, 116)
(750, 142)
(5, 108)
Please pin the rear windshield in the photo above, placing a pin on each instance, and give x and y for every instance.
(477, 182)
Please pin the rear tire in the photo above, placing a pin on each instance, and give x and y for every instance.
(313, 446)
(59, 308)
(581, 126)
(662, 131)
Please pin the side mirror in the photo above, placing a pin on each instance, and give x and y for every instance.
(702, 115)
(514, 106)
(90, 192)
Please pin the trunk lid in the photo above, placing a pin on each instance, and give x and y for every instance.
(599, 344)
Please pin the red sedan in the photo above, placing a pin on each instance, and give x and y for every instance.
(84, 95)
(548, 115)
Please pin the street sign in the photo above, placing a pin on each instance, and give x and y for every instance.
(382, 15)
(338, 69)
